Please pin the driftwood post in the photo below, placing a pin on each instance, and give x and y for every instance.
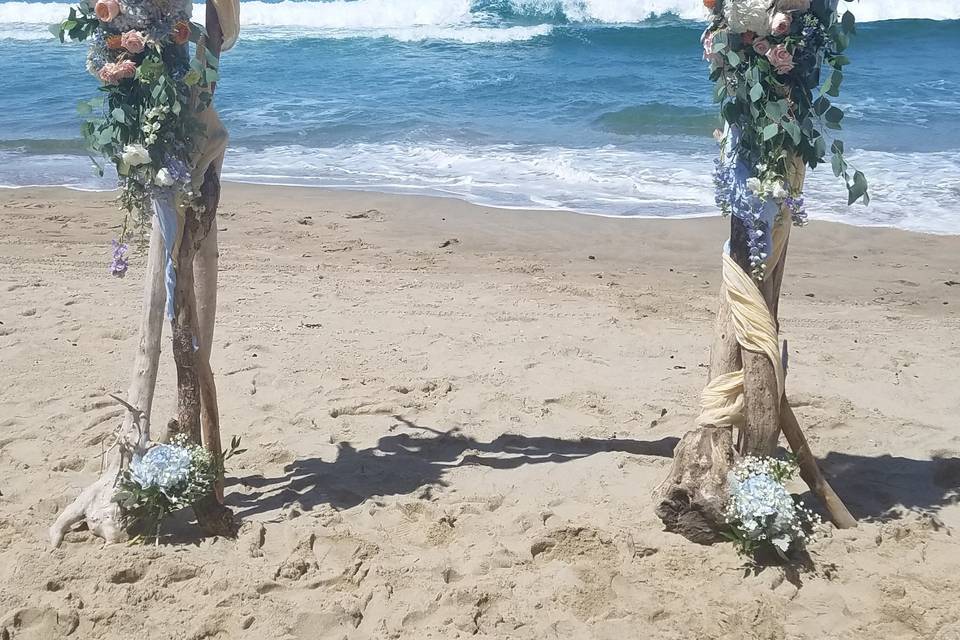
(690, 500)
(197, 411)
(195, 301)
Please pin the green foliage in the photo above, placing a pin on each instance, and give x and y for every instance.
(781, 114)
(145, 507)
(80, 24)
(154, 110)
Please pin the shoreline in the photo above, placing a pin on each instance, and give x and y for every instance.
(398, 193)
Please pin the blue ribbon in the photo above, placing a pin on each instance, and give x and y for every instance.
(165, 210)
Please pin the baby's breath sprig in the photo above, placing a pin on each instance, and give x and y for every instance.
(762, 514)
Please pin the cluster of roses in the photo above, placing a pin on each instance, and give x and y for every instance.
(128, 43)
(757, 21)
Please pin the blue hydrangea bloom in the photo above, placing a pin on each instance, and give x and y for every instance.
(164, 466)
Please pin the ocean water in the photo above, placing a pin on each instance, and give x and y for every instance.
(600, 106)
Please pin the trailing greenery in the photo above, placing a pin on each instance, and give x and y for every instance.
(786, 109)
(144, 120)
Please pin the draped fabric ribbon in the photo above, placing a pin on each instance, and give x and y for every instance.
(168, 213)
(722, 401)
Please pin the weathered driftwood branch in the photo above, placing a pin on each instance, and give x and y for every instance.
(761, 429)
(196, 393)
(95, 504)
(810, 470)
(690, 500)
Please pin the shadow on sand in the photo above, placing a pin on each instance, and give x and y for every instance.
(874, 488)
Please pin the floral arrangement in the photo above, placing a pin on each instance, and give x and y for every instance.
(144, 123)
(766, 58)
(167, 478)
(762, 514)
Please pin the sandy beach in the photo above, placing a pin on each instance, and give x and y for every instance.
(455, 418)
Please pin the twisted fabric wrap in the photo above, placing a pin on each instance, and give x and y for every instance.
(722, 401)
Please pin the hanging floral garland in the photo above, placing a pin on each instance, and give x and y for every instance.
(145, 122)
(766, 59)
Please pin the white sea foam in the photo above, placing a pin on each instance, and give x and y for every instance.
(470, 21)
(912, 191)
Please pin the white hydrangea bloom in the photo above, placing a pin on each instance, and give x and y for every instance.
(135, 154)
(761, 509)
(164, 466)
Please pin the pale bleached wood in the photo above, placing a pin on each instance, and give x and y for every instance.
(810, 471)
(690, 501)
(95, 504)
(725, 353)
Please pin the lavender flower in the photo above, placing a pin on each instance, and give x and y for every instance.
(178, 169)
(734, 197)
(119, 265)
(797, 209)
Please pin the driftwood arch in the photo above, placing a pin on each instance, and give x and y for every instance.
(745, 406)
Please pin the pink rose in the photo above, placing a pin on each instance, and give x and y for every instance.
(126, 69)
(708, 45)
(108, 73)
(133, 41)
(748, 37)
(761, 46)
(780, 24)
(781, 59)
(114, 72)
(107, 10)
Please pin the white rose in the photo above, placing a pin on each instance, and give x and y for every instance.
(754, 185)
(748, 15)
(163, 178)
(135, 154)
(779, 191)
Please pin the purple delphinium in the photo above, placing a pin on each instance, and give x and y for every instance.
(178, 169)
(798, 210)
(119, 265)
(733, 197)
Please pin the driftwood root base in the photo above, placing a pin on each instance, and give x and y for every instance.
(96, 507)
(690, 501)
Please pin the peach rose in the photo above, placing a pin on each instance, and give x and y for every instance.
(126, 69)
(761, 46)
(181, 33)
(107, 10)
(781, 59)
(133, 41)
(108, 73)
(780, 24)
(115, 42)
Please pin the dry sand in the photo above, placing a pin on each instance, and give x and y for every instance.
(456, 416)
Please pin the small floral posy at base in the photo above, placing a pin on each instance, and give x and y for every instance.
(762, 514)
(167, 478)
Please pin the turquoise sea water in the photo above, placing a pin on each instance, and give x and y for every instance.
(601, 106)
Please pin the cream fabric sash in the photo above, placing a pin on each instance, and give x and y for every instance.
(228, 12)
